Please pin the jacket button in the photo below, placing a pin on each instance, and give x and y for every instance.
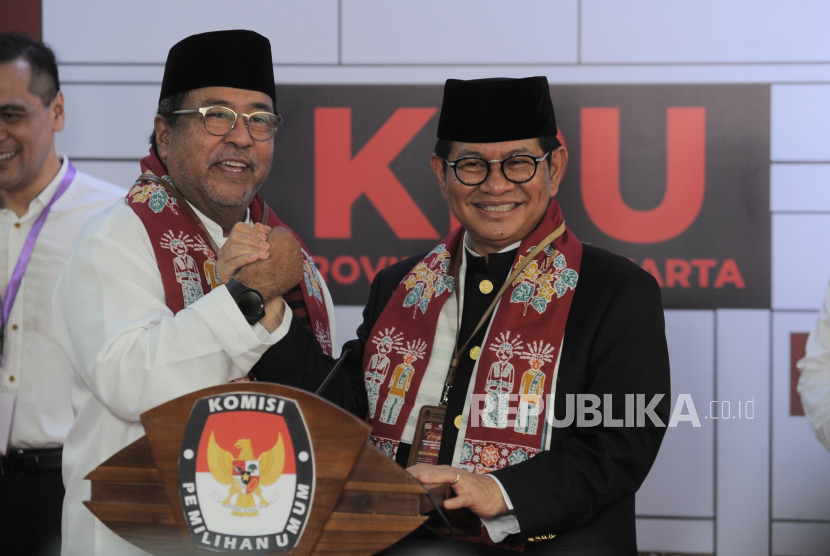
(475, 352)
(485, 286)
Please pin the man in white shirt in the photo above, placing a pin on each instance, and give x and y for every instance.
(140, 309)
(35, 184)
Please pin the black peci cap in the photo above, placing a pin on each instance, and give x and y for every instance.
(239, 59)
(495, 110)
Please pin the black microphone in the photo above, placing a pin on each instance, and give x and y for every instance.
(333, 371)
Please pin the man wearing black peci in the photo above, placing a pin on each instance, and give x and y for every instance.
(507, 313)
(141, 311)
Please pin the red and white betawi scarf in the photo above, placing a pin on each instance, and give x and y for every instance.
(187, 261)
(519, 355)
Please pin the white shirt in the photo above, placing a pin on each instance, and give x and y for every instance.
(130, 353)
(35, 369)
(814, 384)
(432, 386)
(499, 526)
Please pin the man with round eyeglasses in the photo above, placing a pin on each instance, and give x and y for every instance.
(150, 306)
(577, 320)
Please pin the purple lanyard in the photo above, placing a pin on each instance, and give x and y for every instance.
(26, 254)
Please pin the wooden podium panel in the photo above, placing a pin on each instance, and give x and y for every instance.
(363, 502)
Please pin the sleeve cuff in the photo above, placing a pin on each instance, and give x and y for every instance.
(498, 527)
(279, 333)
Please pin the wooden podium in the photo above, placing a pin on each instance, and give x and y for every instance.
(202, 480)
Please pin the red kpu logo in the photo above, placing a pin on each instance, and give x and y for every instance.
(246, 473)
(340, 178)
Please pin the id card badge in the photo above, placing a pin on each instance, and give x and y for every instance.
(427, 441)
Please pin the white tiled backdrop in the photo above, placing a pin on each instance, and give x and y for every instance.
(737, 487)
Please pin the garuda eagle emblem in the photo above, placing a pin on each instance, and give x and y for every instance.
(244, 473)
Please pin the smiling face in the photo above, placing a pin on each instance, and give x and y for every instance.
(27, 132)
(218, 174)
(499, 212)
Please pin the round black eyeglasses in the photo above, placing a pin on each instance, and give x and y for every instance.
(474, 170)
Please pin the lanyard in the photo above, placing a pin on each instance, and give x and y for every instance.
(456, 360)
(26, 254)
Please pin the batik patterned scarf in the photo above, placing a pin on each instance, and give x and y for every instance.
(517, 361)
(183, 249)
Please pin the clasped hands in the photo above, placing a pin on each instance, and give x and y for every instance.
(265, 259)
(479, 493)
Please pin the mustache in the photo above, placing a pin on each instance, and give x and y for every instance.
(241, 155)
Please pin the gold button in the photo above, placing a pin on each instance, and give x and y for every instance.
(14, 327)
(11, 379)
(475, 352)
(458, 422)
(485, 286)
(17, 224)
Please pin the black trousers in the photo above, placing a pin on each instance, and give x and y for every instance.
(30, 513)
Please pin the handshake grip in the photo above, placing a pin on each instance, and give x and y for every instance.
(280, 272)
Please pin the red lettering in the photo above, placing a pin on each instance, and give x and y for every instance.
(346, 269)
(677, 272)
(341, 179)
(729, 274)
(703, 266)
(367, 267)
(685, 176)
(337, 270)
(651, 267)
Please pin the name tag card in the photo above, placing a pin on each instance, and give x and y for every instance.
(428, 432)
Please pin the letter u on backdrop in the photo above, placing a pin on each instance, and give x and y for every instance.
(685, 176)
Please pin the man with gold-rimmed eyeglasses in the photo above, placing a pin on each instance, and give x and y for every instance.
(144, 310)
(220, 120)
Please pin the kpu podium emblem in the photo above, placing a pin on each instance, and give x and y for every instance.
(246, 473)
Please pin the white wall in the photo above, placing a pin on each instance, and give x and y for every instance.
(750, 487)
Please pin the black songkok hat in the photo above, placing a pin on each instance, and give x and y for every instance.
(239, 59)
(495, 110)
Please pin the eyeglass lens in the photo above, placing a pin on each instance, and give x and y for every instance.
(219, 121)
(473, 171)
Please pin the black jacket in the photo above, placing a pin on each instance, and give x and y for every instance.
(582, 490)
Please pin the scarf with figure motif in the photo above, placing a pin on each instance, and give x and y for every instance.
(516, 370)
(185, 258)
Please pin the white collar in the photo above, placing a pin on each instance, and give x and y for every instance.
(37, 204)
(214, 229)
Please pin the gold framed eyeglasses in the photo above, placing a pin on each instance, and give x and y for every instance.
(220, 120)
